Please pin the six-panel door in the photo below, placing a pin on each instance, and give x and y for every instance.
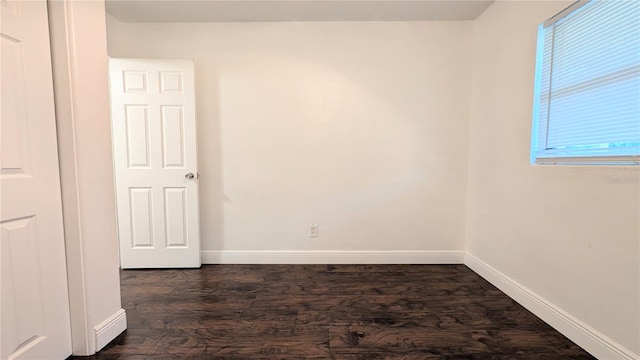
(154, 136)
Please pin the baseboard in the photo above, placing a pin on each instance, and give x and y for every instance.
(107, 330)
(331, 257)
(588, 338)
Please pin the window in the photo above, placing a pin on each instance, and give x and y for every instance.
(587, 94)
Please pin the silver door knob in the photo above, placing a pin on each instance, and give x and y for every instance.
(189, 176)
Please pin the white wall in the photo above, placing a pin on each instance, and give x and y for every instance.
(568, 233)
(358, 127)
(78, 39)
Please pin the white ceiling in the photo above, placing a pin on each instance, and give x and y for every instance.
(294, 10)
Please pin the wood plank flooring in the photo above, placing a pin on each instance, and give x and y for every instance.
(327, 312)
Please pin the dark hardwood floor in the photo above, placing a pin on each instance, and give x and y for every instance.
(327, 312)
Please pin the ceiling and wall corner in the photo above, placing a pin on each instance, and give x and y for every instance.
(171, 11)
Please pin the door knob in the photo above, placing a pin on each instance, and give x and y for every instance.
(189, 176)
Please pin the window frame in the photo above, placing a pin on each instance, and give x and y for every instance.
(535, 157)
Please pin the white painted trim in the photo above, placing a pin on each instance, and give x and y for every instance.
(582, 334)
(109, 329)
(331, 257)
(78, 64)
(62, 34)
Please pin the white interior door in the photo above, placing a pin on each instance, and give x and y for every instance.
(34, 300)
(154, 146)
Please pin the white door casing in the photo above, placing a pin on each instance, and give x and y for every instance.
(33, 292)
(154, 145)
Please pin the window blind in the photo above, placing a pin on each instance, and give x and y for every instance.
(587, 101)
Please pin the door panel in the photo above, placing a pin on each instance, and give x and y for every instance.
(34, 300)
(154, 145)
(137, 123)
(175, 219)
(141, 217)
(172, 137)
(15, 139)
(22, 282)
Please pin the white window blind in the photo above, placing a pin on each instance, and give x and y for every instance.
(587, 96)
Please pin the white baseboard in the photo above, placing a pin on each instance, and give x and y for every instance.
(107, 330)
(331, 257)
(586, 337)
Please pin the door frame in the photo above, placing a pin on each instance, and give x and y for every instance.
(79, 55)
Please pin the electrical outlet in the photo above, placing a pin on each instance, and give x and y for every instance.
(313, 230)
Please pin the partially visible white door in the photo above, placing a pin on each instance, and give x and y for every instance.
(34, 300)
(154, 146)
